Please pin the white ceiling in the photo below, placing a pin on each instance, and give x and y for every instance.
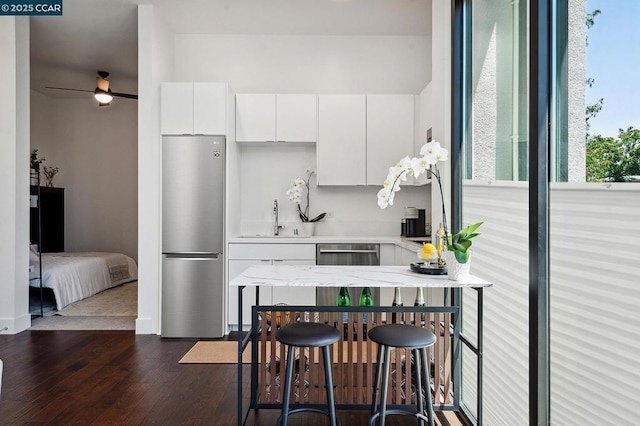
(92, 35)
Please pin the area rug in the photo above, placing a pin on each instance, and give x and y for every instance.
(59, 322)
(215, 352)
(112, 309)
(121, 301)
(226, 352)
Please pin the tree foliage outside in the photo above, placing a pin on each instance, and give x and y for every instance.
(612, 159)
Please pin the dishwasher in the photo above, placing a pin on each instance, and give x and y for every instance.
(346, 254)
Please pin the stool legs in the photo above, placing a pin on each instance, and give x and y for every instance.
(422, 383)
(376, 381)
(287, 387)
(417, 361)
(427, 386)
(286, 392)
(385, 379)
(329, 382)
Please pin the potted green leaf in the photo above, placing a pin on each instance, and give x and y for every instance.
(458, 251)
(460, 242)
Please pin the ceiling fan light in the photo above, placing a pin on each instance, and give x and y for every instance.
(102, 96)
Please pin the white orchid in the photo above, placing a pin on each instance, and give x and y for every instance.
(298, 186)
(430, 154)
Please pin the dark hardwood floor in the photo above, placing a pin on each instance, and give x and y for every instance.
(119, 378)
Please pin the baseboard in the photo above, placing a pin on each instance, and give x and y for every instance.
(15, 325)
(145, 326)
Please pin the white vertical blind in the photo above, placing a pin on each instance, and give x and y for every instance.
(500, 255)
(595, 303)
(594, 295)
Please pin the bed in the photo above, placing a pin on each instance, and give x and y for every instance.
(76, 276)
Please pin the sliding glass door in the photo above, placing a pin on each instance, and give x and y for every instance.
(546, 123)
(495, 191)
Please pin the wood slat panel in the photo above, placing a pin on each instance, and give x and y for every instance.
(353, 362)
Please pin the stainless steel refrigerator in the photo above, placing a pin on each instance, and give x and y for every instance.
(192, 236)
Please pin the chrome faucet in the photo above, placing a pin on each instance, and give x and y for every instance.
(276, 227)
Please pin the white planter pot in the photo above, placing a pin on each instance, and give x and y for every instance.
(308, 228)
(455, 269)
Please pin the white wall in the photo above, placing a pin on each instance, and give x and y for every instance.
(440, 90)
(96, 151)
(155, 62)
(306, 64)
(267, 173)
(14, 174)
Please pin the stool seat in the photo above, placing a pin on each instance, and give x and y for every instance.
(402, 336)
(307, 334)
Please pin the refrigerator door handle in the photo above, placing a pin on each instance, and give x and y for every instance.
(193, 256)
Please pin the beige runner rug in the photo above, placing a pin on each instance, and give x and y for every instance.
(215, 352)
(226, 352)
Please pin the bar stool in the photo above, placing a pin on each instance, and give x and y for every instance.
(302, 335)
(402, 336)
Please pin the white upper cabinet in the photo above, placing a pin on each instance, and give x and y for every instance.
(276, 118)
(176, 108)
(193, 108)
(296, 118)
(342, 140)
(210, 108)
(390, 133)
(255, 118)
(360, 137)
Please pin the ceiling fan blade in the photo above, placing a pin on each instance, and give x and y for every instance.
(65, 88)
(124, 95)
(102, 84)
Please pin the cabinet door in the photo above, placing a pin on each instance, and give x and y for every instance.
(341, 149)
(255, 118)
(296, 118)
(209, 108)
(176, 108)
(236, 267)
(304, 296)
(390, 133)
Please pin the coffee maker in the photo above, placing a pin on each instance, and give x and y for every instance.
(414, 222)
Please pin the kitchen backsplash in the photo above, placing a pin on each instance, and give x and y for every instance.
(267, 173)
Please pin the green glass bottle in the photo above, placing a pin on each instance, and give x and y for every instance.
(366, 299)
(344, 300)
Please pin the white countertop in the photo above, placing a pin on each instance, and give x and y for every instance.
(328, 239)
(347, 276)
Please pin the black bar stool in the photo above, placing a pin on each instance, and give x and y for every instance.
(303, 335)
(402, 336)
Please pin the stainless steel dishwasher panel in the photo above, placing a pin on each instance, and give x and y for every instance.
(346, 254)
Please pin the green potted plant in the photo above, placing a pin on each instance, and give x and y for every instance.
(460, 242)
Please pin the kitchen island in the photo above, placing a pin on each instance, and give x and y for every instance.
(354, 354)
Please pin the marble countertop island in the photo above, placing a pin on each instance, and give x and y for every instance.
(347, 276)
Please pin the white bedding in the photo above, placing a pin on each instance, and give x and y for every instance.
(76, 276)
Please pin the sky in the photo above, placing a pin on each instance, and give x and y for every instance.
(613, 61)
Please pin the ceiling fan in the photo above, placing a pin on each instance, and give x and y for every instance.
(102, 92)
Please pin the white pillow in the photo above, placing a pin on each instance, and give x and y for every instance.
(34, 257)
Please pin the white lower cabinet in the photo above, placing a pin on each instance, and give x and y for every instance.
(236, 267)
(242, 256)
